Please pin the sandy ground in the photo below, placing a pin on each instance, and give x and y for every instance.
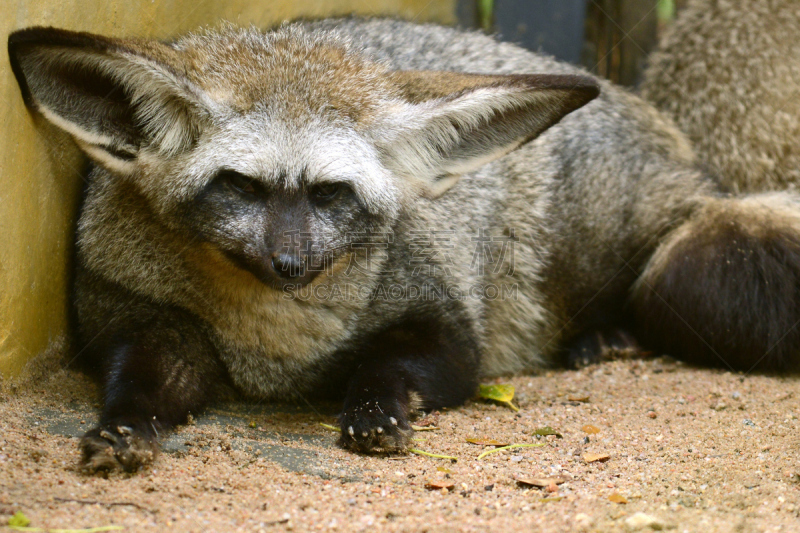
(694, 450)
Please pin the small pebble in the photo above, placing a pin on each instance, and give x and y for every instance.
(583, 521)
(642, 521)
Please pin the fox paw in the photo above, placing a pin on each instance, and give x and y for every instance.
(117, 447)
(374, 425)
(598, 346)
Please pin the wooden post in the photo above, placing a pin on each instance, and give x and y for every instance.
(620, 34)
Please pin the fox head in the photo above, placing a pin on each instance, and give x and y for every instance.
(273, 148)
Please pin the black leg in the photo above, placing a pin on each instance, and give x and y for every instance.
(153, 380)
(598, 345)
(416, 365)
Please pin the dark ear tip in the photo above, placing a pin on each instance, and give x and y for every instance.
(583, 88)
(32, 35)
(49, 36)
(26, 40)
(590, 90)
(17, 41)
(586, 87)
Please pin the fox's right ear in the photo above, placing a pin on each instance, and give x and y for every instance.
(115, 97)
(447, 124)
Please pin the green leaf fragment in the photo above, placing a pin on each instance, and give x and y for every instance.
(510, 446)
(503, 393)
(19, 520)
(434, 455)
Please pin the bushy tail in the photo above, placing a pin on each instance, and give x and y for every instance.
(723, 289)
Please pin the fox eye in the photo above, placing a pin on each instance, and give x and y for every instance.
(238, 182)
(325, 192)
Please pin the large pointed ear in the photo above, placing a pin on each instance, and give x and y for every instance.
(114, 96)
(448, 124)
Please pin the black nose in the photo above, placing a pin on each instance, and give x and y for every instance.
(288, 266)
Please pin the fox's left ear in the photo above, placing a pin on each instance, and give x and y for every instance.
(113, 96)
(448, 124)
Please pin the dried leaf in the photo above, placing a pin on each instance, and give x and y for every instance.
(19, 520)
(596, 457)
(252, 424)
(439, 485)
(617, 498)
(547, 430)
(498, 393)
(591, 430)
(582, 399)
(424, 428)
(443, 469)
(487, 442)
(540, 482)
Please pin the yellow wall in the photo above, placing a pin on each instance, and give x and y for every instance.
(40, 168)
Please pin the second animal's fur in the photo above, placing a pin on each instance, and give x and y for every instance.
(728, 73)
(338, 206)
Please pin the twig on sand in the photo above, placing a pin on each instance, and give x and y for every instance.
(510, 446)
(107, 504)
(434, 455)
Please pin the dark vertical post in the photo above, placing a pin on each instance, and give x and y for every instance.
(612, 38)
(620, 34)
(467, 13)
(640, 22)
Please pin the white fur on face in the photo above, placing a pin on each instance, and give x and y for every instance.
(275, 149)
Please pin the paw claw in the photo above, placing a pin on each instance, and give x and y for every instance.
(369, 430)
(112, 447)
(108, 436)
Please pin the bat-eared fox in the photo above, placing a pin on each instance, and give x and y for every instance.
(387, 212)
